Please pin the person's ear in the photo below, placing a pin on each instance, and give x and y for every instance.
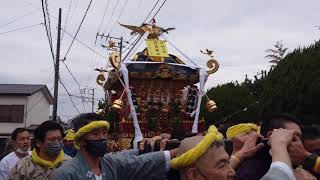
(38, 143)
(14, 144)
(191, 173)
(81, 142)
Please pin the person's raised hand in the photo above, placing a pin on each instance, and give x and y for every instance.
(297, 152)
(163, 144)
(302, 174)
(245, 145)
(281, 137)
(153, 140)
(279, 141)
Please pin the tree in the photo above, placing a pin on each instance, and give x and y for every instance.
(277, 53)
(234, 103)
(293, 86)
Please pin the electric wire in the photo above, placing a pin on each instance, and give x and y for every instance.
(48, 18)
(74, 78)
(112, 13)
(94, 55)
(83, 18)
(83, 43)
(47, 30)
(158, 10)
(64, 87)
(66, 20)
(118, 16)
(104, 14)
(22, 28)
(18, 18)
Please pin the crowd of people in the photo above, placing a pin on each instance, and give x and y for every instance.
(280, 149)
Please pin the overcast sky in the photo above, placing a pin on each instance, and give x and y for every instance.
(239, 31)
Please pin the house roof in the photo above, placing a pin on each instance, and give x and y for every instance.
(25, 90)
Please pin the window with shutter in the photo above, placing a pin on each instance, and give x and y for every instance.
(11, 113)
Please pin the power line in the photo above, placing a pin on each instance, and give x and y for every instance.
(137, 36)
(82, 43)
(118, 16)
(64, 87)
(66, 21)
(47, 30)
(104, 14)
(155, 5)
(37, 102)
(151, 11)
(94, 56)
(22, 28)
(158, 10)
(83, 18)
(74, 78)
(36, 98)
(111, 16)
(18, 18)
(74, 9)
(49, 23)
(136, 17)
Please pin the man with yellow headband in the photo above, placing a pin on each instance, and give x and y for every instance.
(92, 162)
(68, 144)
(46, 156)
(203, 158)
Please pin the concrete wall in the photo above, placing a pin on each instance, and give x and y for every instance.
(36, 110)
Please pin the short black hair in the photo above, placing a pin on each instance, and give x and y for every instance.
(84, 119)
(41, 131)
(311, 132)
(17, 131)
(276, 121)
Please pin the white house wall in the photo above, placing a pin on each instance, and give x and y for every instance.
(36, 110)
(7, 128)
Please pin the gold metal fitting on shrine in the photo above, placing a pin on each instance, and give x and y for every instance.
(211, 105)
(117, 104)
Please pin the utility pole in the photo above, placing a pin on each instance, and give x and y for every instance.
(56, 68)
(92, 100)
(88, 92)
(113, 46)
(120, 48)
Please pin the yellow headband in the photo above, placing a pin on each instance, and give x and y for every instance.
(88, 128)
(234, 131)
(70, 135)
(200, 149)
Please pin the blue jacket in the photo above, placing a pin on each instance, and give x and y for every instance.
(120, 166)
(70, 152)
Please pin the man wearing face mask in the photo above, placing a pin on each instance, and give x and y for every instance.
(92, 162)
(46, 156)
(68, 144)
(21, 141)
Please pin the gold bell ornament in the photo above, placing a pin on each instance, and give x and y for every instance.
(118, 103)
(211, 105)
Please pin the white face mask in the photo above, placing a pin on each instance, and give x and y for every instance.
(22, 151)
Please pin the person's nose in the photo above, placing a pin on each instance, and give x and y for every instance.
(26, 141)
(231, 172)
